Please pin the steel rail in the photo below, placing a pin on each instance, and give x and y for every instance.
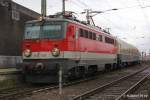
(22, 93)
(101, 88)
(41, 89)
(65, 84)
(10, 73)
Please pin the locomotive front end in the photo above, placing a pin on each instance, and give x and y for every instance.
(42, 51)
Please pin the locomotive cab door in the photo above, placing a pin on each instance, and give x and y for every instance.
(77, 45)
(73, 40)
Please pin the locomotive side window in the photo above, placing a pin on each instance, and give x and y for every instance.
(86, 33)
(109, 40)
(81, 32)
(90, 35)
(94, 36)
(100, 38)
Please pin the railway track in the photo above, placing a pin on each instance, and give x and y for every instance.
(11, 73)
(13, 93)
(118, 89)
(140, 91)
(26, 91)
(70, 91)
(132, 89)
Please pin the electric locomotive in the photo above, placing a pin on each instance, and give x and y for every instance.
(78, 48)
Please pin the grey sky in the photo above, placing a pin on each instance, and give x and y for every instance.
(131, 22)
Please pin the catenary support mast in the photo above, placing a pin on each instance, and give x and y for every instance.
(43, 8)
(63, 7)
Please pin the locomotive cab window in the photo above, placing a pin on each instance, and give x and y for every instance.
(45, 31)
(51, 31)
(32, 32)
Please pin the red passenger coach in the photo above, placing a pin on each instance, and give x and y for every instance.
(80, 50)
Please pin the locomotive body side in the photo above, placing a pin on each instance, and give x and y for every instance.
(94, 50)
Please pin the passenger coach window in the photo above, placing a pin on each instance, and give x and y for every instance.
(109, 40)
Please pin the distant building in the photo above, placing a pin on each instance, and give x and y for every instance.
(12, 20)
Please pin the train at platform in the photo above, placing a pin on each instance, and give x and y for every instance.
(78, 48)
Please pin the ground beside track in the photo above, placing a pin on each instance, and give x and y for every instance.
(9, 77)
(7, 69)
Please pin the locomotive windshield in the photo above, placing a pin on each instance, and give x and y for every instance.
(46, 31)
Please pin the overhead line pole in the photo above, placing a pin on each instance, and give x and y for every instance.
(43, 8)
(63, 7)
(88, 15)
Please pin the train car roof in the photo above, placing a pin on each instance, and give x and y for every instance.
(75, 22)
(123, 42)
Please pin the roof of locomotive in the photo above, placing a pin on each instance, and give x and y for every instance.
(95, 28)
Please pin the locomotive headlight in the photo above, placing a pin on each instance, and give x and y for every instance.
(27, 52)
(55, 52)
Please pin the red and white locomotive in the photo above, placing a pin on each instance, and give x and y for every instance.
(80, 49)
